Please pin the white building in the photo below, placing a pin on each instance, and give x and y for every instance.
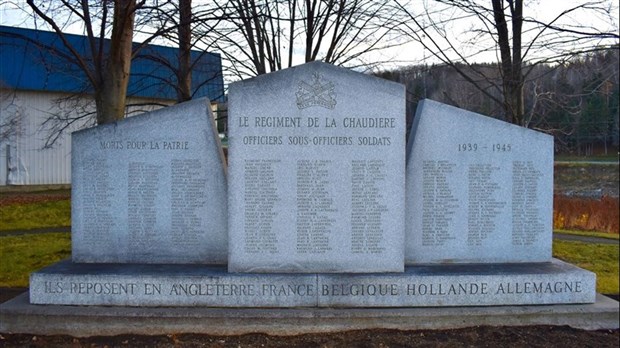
(39, 88)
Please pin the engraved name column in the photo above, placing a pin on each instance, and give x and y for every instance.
(367, 206)
(143, 188)
(261, 195)
(187, 177)
(526, 219)
(96, 214)
(438, 203)
(315, 207)
(484, 208)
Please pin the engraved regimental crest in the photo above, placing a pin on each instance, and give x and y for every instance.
(318, 92)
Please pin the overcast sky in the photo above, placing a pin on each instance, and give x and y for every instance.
(544, 10)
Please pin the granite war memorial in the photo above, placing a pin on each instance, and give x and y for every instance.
(322, 204)
(316, 177)
(151, 189)
(480, 190)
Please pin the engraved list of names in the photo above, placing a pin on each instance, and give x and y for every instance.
(479, 189)
(150, 189)
(316, 173)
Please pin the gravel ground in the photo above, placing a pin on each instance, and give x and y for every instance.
(529, 336)
(588, 180)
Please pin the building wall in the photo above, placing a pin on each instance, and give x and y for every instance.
(24, 157)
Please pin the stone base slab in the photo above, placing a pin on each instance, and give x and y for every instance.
(555, 282)
(19, 316)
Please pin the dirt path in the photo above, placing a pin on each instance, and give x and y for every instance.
(585, 239)
(528, 336)
(480, 336)
(587, 180)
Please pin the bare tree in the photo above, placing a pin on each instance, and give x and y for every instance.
(519, 42)
(11, 113)
(261, 36)
(107, 69)
(104, 63)
(184, 75)
(176, 23)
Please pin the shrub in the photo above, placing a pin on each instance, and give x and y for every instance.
(586, 214)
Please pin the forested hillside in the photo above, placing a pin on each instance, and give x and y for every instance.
(576, 102)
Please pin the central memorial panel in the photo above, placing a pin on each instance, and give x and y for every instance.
(317, 171)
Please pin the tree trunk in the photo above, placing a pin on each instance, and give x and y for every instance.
(110, 97)
(516, 10)
(511, 60)
(184, 73)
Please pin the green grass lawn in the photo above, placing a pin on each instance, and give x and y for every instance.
(601, 259)
(22, 255)
(35, 215)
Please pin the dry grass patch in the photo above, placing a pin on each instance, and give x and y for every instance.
(573, 213)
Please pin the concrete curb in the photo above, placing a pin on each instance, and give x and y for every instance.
(18, 316)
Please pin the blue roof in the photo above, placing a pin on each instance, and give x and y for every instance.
(38, 60)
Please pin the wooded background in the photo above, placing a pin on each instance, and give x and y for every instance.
(576, 102)
(554, 70)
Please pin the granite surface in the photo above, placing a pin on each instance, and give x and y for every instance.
(19, 316)
(150, 189)
(479, 190)
(554, 282)
(316, 155)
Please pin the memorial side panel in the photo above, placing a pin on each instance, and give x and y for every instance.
(150, 189)
(479, 189)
